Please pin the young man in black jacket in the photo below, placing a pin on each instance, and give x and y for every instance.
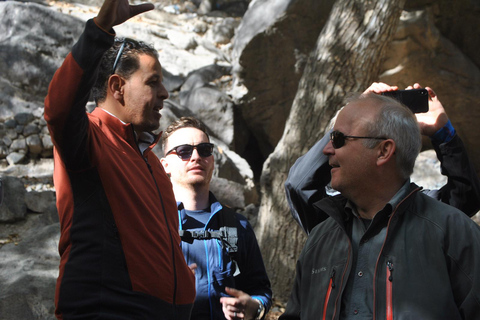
(231, 279)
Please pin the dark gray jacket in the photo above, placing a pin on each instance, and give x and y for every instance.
(428, 267)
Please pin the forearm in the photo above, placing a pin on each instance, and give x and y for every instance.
(463, 186)
(70, 88)
(306, 184)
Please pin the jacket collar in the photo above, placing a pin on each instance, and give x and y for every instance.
(124, 130)
(215, 207)
(334, 207)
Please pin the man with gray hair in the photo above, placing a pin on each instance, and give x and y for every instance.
(386, 250)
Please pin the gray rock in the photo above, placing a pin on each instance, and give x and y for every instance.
(203, 76)
(223, 31)
(214, 108)
(11, 133)
(30, 129)
(7, 141)
(28, 272)
(23, 118)
(34, 144)
(426, 172)
(228, 192)
(271, 44)
(47, 142)
(13, 206)
(19, 128)
(182, 40)
(29, 59)
(10, 123)
(39, 201)
(15, 157)
(3, 152)
(19, 145)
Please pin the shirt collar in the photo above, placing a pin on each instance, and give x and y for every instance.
(394, 201)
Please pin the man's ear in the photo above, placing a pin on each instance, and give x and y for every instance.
(164, 163)
(116, 87)
(386, 151)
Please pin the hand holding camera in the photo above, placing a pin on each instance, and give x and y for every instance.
(429, 111)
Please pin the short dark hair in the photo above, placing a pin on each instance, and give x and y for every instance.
(183, 122)
(127, 64)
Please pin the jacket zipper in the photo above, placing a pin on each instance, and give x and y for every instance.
(166, 222)
(389, 290)
(331, 285)
(389, 316)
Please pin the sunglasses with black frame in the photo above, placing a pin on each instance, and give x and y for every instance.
(185, 151)
(338, 138)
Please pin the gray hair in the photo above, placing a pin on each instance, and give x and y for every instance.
(395, 121)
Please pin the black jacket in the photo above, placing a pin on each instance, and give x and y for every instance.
(427, 268)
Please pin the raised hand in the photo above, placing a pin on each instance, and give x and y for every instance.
(436, 117)
(115, 12)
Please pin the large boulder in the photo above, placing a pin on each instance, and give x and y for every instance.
(34, 40)
(420, 53)
(269, 52)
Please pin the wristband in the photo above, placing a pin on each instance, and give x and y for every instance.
(260, 311)
(445, 134)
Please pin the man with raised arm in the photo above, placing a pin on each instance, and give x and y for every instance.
(384, 250)
(310, 174)
(119, 245)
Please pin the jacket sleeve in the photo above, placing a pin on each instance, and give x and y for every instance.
(463, 259)
(253, 278)
(463, 186)
(68, 93)
(306, 183)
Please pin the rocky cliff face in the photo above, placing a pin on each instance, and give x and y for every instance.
(235, 69)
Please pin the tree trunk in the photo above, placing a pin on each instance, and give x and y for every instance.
(347, 58)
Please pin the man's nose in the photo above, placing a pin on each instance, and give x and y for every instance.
(162, 92)
(195, 155)
(329, 149)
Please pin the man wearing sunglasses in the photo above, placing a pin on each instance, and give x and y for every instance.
(119, 245)
(231, 279)
(385, 250)
(308, 177)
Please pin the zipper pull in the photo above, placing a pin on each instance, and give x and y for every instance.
(390, 268)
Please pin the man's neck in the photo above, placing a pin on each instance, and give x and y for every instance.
(192, 197)
(369, 202)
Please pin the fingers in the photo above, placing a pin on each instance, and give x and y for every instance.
(141, 8)
(232, 310)
(115, 12)
(233, 292)
(193, 267)
(379, 87)
(431, 93)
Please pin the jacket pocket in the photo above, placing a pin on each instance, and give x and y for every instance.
(389, 291)
(331, 286)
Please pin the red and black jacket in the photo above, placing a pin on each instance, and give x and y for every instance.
(119, 245)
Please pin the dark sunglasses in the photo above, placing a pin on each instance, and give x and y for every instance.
(185, 151)
(127, 41)
(338, 138)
